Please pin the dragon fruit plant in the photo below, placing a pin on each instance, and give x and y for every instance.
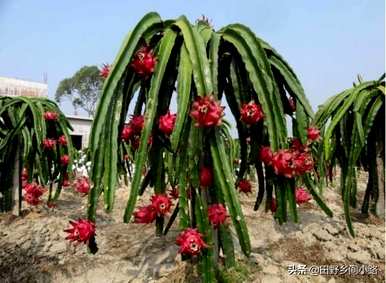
(34, 133)
(187, 157)
(353, 123)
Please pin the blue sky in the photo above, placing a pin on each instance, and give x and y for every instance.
(327, 42)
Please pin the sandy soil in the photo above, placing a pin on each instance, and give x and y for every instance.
(33, 249)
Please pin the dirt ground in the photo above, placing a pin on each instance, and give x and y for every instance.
(33, 249)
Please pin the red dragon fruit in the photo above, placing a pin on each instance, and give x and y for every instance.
(207, 112)
(162, 203)
(32, 193)
(206, 176)
(127, 133)
(244, 186)
(62, 140)
(266, 155)
(104, 71)
(302, 163)
(273, 206)
(217, 214)
(251, 113)
(64, 160)
(136, 123)
(50, 116)
(313, 133)
(290, 163)
(48, 144)
(190, 242)
(302, 196)
(282, 163)
(145, 214)
(296, 145)
(144, 62)
(166, 123)
(82, 185)
(80, 231)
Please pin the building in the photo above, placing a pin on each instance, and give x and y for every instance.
(81, 130)
(16, 87)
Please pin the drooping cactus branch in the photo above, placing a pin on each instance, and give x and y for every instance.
(37, 130)
(354, 132)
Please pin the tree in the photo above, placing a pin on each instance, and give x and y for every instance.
(83, 89)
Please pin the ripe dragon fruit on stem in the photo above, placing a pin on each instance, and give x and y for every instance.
(82, 185)
(166, 123)
(62, 140)
(104, 71)
(190, 242)
(144, 62)
(313, 134)
(206, 176)
(48, 144)
(206, 112)
(161, 203)
(302, 196)
(244, 186)
(80, 231)
(137, 123)
(50, 116)
(266, 155)
(32, 193)
(64, 160)
(251, 113)
(217, 214)
(145, 214)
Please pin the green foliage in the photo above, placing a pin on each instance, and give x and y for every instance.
(353, 122)
(196, 61)
(22, 130)
(83, 89)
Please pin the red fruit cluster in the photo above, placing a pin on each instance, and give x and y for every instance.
(48, 144)
(207, 112)
(144, 62)
(190, 242)
(80, 231)
(217, 214)
(302, 196)
(289, 163)
(166, 123)
(82, 185)
(244, 186)
(160, 205)
(251, 113)
(104, 71)
(50, 116)
(206, 177)
(32, 193)
(64, 160)
(132, 132)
